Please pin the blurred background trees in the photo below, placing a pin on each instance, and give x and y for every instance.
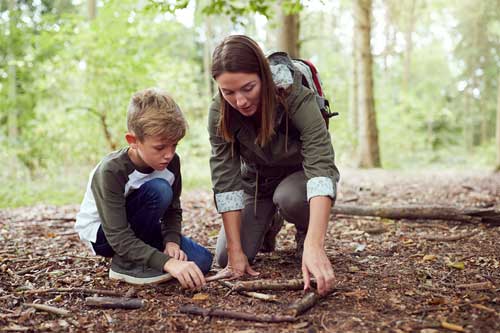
(416, 82)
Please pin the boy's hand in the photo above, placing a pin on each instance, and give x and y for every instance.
(174, 251)
(186, 272)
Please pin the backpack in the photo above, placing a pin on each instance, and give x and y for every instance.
(282, 68)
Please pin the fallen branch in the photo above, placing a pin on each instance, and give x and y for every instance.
(253, 294)
(72, 290)
(450, 238)
(294, 284)
(302, 305)
(476, 286)
(115, 302)
(236, 315)
(32, 268)
(222, 274)
(484, 215)
(48, 308)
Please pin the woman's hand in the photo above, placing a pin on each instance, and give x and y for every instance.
(186, 272)
(237, 265)
(173, 250)
(315, 262)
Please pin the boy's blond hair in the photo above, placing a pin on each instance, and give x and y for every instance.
(152, 112)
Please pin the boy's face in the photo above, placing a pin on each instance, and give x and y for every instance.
(154, 151)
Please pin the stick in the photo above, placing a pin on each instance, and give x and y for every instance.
(115, 302)
(48, 308)
(236, 315)
(302, 305)
(29, 269)
(223, 274)
(476, 286)
(294, 284)
(72, 290)
(450, 238)
(261, 296)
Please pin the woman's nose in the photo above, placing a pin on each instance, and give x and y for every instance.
(241, 100)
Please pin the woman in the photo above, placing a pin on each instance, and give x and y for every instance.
(271, 153)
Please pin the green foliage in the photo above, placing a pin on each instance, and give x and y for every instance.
(74, 78)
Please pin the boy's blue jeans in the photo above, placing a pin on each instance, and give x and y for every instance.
(145, 206)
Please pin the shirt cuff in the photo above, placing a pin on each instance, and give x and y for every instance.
(228, 201)
(321, 186)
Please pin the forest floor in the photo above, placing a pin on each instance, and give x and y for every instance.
(391, 280)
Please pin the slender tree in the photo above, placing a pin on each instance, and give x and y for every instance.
(289, 31)
(497, 168)
(92, 9)
(12, 95)
(353, 101)
(369, 155)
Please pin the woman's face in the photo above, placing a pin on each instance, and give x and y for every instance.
(241, 91)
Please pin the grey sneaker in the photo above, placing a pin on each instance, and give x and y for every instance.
(300, 237)
(132, 273)
(269, 243)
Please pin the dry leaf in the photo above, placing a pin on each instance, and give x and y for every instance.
(301, 325)
(453, 327)
(200, 297)
(429, 257)
(458, 265)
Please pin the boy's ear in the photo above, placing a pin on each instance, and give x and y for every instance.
(131, 139)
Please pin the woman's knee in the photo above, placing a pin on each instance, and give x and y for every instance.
(221, 257)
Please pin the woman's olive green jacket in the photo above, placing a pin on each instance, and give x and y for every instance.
(244, 166)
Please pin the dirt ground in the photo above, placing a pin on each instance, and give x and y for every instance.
(390, 278)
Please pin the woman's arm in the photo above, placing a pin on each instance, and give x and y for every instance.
(314, 259)
(237, 261)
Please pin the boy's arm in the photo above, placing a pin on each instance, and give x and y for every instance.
(107, 188)
(172, 219)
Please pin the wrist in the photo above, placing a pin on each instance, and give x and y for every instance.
(169, 264)
(234, 249)
(314, 243)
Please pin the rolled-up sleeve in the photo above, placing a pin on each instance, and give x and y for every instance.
(225, 167)
(317, 150)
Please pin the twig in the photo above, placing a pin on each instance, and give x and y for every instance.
(236, 315)
(253, 294)
(476, 286)
(482, 307)
(450, 238)
(29, 269)
(303, 304)
(115, 302)
(72, 290)
(294, 284)
(48, 308)
(223, 274)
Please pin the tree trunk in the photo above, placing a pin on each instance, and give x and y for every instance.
(354, 95)
(209, 89)
(498, 126)
(92, 9)
(288, 40)
(467, 121)
(409, 46)
(369, 156)
(12, 125)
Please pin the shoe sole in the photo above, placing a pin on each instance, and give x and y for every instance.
(139, 281)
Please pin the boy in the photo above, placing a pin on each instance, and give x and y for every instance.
(131, 210)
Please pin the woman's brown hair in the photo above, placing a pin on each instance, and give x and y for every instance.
(239, 53)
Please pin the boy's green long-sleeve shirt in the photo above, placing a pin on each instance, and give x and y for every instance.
(105, 204)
